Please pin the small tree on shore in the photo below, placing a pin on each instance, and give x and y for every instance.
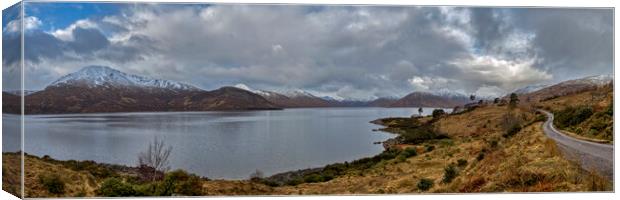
(420, 111)
(154, 161)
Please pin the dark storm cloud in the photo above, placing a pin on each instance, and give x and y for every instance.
(88, 40)
(572, 42)
(352, 52)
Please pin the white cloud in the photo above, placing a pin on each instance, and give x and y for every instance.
(426, 83)
(489, 92)
(66, 34)
(503, 73)
(30, 23)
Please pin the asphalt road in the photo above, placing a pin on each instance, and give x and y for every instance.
(594, 157)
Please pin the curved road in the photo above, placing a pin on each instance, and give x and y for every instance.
(594, 157)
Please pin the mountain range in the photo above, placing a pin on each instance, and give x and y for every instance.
(95, 89)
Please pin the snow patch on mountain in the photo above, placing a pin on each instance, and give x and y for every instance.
(449, 93)
(298, 93)
(102, 75)
(530, 89)
(598, 80)
(247, 88)
(332, 98)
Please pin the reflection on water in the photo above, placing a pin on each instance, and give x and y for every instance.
(227, 145)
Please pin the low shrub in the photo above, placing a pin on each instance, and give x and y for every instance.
(425, 184)
(313, 178)
(571, 116)
(512, 130)
(438, 113)
(430, 148)
(494, 143)
(419, 134)
(115, 187)
(89, 166)
(179, 182)
(461, 162)
(409, 152)
(53, 183)
(449, 174)
(480, 156)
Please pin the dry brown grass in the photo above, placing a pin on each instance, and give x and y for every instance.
(599, 100)
(527, 162)
(11, 171)
(484, 121)
(76, 183)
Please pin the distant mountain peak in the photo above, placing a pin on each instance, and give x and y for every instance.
(102, 75)
(299, 93)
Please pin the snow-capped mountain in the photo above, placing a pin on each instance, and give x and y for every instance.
(289, 99)
(449, 93)
(299, 93)
(569, 87)
(529, 89)
(98, 89)
(93, 76)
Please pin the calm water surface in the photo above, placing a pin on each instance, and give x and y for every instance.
(228, 145)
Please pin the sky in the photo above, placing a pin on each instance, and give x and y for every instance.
(351, 52)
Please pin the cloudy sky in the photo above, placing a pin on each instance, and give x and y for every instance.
(356, 52)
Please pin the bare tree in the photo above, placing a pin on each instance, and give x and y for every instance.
(154, 160)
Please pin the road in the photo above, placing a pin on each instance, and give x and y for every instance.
(594, 157)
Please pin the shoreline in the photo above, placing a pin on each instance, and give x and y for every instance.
(280, 176)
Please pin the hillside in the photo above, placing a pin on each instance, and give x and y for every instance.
(425, 99)
(567, 87)
(382, 102)
(587, 114)
(11, 103)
